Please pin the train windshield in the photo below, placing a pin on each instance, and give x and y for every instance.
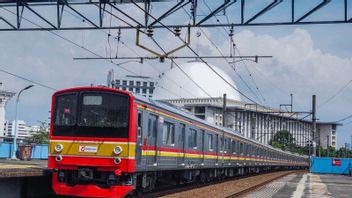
(92, 114)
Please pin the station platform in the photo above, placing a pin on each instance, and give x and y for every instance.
(307, 185)
(18, 168)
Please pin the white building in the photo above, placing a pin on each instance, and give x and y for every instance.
(23, 131)
(5, 96)
(141, 85)
(253, 121)
(327, 134)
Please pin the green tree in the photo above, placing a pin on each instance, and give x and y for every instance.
(283, 140)
(41, 136)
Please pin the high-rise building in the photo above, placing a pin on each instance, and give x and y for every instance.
(5, 96)
(23, 131)
(142, 85)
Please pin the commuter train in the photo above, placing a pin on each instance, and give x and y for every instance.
(107, 142)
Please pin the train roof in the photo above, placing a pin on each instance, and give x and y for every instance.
(182, 112)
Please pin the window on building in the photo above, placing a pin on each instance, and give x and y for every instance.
(151, 84)
(169, 134)
(138, 83)
(144, 91)
(145, 84)
(130, 89)
(118, 82)
(131, 83)
(151, 91)
(210, 142)
(138, 90)
(124, 88)
(199, 110)
(192, 139)
(124, 82)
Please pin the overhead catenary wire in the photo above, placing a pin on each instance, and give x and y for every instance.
(118, 38)
(200, 58)
(28, 80)
(86, 49)
(250, 74)
(345, 118)
(334, 95)
(180, 68)
(220, 52)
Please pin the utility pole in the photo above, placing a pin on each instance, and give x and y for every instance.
(223, 123)
(291, 102)
(314, 123)
(327, 145)
(224, 111)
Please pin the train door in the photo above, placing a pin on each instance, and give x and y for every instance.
(203, 144)
(151, 142)
(217, 148)
(139, 142)
(182, 143)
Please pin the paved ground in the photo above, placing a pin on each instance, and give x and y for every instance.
(307, 186)
(18, 168)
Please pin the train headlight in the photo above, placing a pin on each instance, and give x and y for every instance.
(59, 147)
(117, 150)
(117, 160)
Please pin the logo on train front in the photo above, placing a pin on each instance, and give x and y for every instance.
(88, 149)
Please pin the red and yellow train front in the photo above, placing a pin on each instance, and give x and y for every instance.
(92, 142)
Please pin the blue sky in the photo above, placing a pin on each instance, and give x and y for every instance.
(314, 59)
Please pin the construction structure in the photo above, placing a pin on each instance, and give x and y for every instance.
(5, 96)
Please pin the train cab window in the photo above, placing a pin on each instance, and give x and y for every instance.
(152, 125)
(234, 146)
(92, 114)
(210, 142)
(169, 134)
(192, 139)
(66, 108)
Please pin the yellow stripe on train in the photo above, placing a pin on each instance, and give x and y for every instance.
(86, 148)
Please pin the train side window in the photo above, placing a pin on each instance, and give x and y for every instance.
(241, 148)
(225, 145)
(210, 142)
(192, 139)
(233, 146)
(152, 125)
(221, 144)
(139, 125)
(168, 133)
(229, 144)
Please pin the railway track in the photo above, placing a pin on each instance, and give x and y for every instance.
(246, 191)
(232, 187)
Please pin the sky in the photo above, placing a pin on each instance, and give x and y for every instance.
(307, 60)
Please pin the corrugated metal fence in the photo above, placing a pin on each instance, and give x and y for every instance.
(39, 151)
(330, 165)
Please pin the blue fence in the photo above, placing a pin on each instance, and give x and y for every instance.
(39, 151)
(330, 165)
